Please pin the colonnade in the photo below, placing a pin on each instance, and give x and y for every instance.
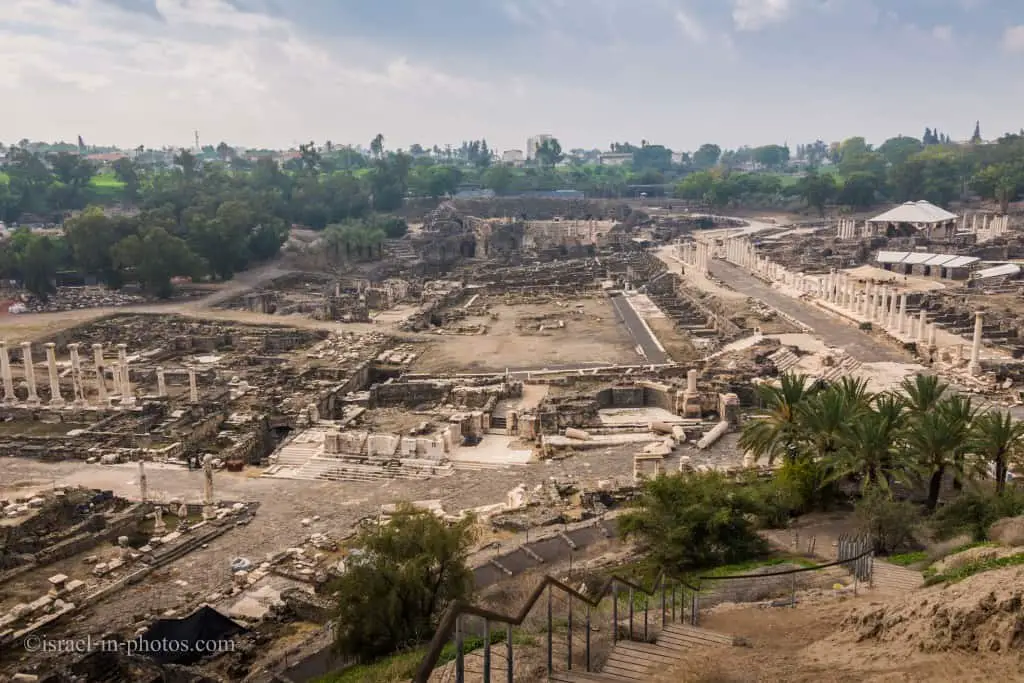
(120, 372)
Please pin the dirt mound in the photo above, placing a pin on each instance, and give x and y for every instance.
(982, 614)
(1009, 531)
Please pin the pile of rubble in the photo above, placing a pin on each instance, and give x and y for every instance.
(73, 298)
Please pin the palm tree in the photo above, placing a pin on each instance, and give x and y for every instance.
(937, 438)
(778, 430)
(377, 146)
(923, 393)
(870, 446)
(824, 415)
(961, 412)
(999, 440)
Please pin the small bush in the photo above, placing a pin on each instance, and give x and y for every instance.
(891, 523)
(804, 486)
(975, 512)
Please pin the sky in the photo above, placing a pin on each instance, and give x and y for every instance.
(274, 73)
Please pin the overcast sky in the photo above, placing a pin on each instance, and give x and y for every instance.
(272, 73)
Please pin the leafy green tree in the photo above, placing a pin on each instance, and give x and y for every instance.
(377, 146)
(395, 589)
(859, 191)
(499, 179)
(38, 264)
(690, 521)
(817, 189)
(897, 150)
(771, 156)
(127, 172)
(91, 236)
(549, 153)
(706, 156)
(155, 257)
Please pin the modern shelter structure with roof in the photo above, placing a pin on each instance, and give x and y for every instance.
(924, 264)
(917, 217)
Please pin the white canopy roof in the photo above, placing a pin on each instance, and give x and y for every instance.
(1005, 270)
(915, 212)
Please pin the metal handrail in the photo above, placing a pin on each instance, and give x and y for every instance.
(457, 609)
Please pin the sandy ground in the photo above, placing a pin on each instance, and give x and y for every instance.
(783, 650)
(595, 337)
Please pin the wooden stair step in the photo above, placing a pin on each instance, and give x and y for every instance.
(695, 632)
(581, 677)
(652, 652)
(625, 674)
(627, 664)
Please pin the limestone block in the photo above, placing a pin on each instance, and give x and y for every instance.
(578, 434)
(407, 448)
(430, 448)
(382, 444)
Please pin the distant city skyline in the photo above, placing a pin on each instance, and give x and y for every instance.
(681, 73)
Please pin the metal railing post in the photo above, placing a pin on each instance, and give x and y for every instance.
(568, 637)
(615, 612)
(460, 661)
(509, 659)
(663, 603)
(674, 604)
(647, 602)
(588, 637)
(551, 663)
(631, 613)
(487, 651)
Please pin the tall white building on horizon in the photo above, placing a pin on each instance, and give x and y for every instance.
(534, 143)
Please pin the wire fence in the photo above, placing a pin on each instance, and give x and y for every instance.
(784, 584)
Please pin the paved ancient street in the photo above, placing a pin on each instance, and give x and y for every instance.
(641, 333)
(832, 330)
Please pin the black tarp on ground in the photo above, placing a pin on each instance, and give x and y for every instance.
(186, 641)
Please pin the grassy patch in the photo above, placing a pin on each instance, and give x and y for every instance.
(753, 565)
(106, 180)
(907, 559)
(402, 666)
(968, 570)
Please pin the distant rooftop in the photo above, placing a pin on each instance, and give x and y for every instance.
(915, 212)
(920, 258)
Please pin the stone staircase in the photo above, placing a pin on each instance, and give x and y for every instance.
(636, 661)
(844, 368)
(784, 359)
(892, 578)
(400, 249)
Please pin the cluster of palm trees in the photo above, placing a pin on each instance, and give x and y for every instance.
(918, 433)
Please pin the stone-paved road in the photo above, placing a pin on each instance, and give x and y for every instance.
(834, 331)
(640, 333)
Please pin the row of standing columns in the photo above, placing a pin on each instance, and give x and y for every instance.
(120, 373)
(207, 492)
(847, 229)
(696, 254)
(878, 303)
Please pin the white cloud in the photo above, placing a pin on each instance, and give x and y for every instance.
(86, 66)
(1013, 39)
(752, 15)
(943, 33)
(691, 27)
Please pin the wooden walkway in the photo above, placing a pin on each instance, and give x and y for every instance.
(635, 661)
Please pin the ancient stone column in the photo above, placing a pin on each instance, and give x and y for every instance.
(30, 372)
(193, 390)
(902, 328)
(161, 382)
(159, 526)
(975, 367)
(932, 335)
(691, 382)
(77, 390)
(143, 483)
(922, 327)
(208, 487)
(894, 311)
(125, 384)
(51, 365)
(101, 382)
(5, 371)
